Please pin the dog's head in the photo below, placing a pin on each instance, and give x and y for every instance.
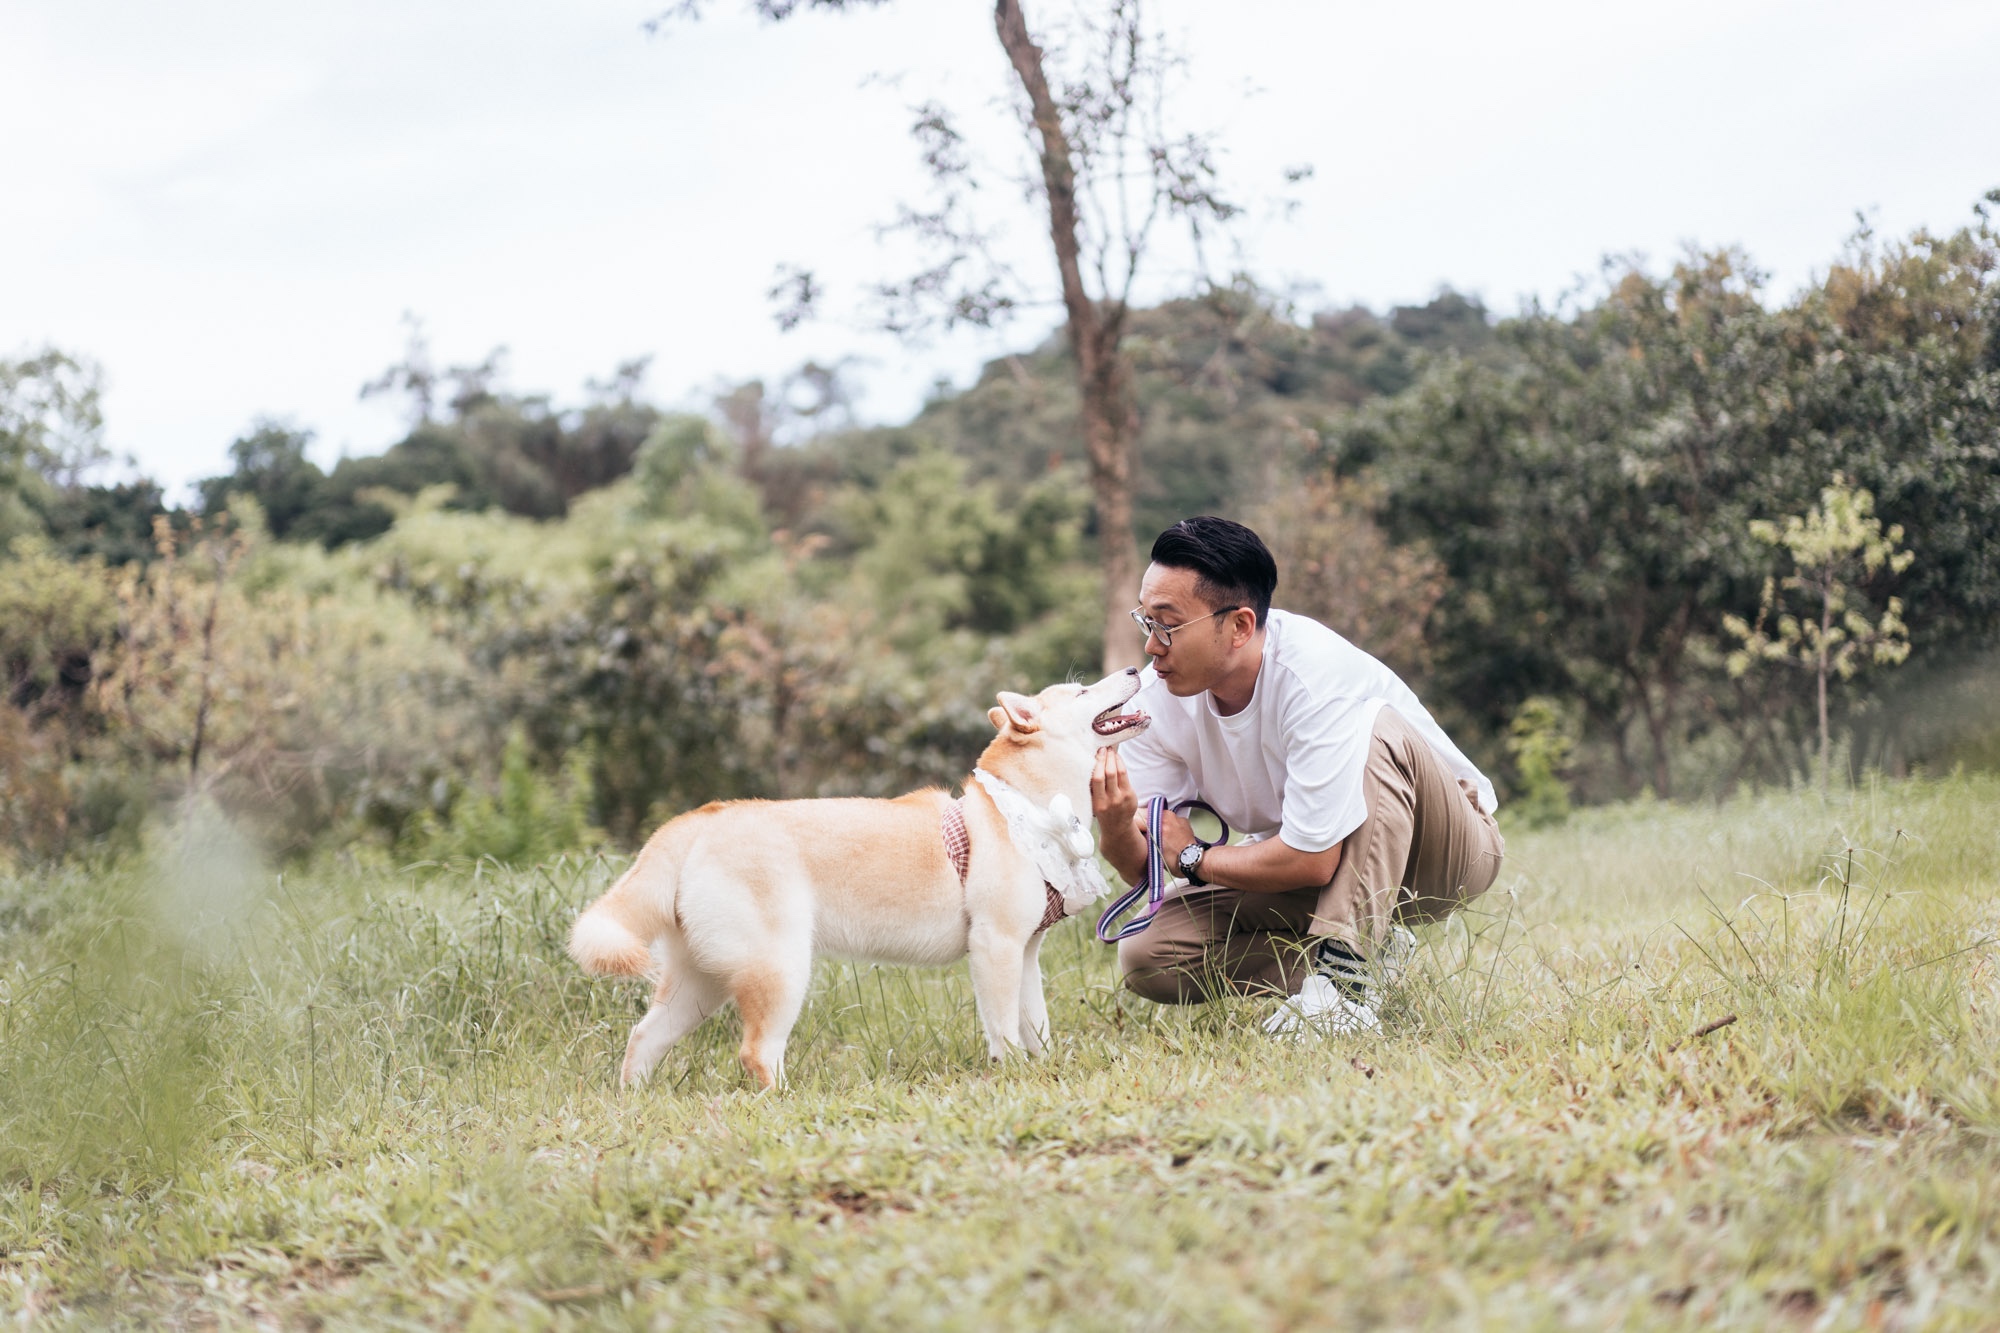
(1086, 717)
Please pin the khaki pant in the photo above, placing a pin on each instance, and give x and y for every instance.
(1424, 850)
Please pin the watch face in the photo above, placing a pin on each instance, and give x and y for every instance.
(1190, 856)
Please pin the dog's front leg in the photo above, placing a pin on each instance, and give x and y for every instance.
(995, 959)
(1034, 1009)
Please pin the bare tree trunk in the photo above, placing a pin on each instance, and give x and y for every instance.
(1617, 724)
(1656, 729)
(1111, 429)
(1104, 376)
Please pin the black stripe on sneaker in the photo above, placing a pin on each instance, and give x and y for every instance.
(1347, 970)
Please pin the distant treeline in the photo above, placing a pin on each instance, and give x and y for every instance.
(1560, 525)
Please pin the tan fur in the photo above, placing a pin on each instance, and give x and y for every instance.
(731, 902)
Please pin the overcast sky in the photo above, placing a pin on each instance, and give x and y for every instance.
(230, 205)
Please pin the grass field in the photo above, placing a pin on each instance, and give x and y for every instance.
(364, 1097)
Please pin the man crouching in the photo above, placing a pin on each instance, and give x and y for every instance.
(1360, 812)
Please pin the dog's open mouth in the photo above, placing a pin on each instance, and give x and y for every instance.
(1110, 722)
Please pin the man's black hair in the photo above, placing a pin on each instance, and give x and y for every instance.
(1232, 566)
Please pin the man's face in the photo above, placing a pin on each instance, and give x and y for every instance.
(1200, 650)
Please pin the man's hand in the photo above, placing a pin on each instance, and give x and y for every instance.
(1120, 834)
(1175, 834)
(1269, 866)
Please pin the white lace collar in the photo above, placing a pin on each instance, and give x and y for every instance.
(1055, 838)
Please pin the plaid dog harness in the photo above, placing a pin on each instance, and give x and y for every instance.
(958, 846)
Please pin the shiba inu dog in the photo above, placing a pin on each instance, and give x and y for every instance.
(730, 903)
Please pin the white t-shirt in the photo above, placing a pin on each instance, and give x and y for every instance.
(1291, 762)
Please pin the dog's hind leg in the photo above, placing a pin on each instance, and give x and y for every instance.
(995, 959)
(769, 995)
(1034, 1009)
(679, 1005)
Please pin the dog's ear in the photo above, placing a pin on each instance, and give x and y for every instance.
(1019, 711)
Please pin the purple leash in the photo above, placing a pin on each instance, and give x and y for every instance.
(1154, 890)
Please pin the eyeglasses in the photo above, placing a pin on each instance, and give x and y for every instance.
(1151, 628)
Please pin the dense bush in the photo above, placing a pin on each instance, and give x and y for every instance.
(1591, 490)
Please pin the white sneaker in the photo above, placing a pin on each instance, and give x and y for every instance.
(1370, 979)
(1320, 1008)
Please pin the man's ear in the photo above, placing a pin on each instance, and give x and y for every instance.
(1016, 710)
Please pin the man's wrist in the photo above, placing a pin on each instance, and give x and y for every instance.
(1124, 853)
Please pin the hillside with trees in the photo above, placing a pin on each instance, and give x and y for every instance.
(530, 623)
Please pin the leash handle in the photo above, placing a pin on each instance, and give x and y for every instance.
(1153, 886)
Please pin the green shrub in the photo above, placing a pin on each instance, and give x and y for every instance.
(530, 817)
(1541, 738)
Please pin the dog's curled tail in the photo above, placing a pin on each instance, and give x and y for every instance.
(613, 936)
(604, 946)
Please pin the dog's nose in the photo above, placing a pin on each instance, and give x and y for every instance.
(1131, 671)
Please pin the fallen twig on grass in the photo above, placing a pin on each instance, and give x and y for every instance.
(1702, 1031)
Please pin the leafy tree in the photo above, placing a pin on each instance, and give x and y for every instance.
(683, 452)
(1588, 496)
(51, 415)
(114, 523)
(594, 447)
(51, 434)
(177, 618)
(1899, 390)
(51, 441)
(58, 629)
(492, 449)
(1336, 565)
(1835, 549)
(772, 431)
(1540, 739)
(57, 619)
(278, 683)
(34, 799)
(1111, 175)
(703, 656)
(939, 554)
(416, 376)
(527, 818)
(270, 465)
(1236, 391)
(1590, 484)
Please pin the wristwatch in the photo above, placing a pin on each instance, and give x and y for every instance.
(1188, 864)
